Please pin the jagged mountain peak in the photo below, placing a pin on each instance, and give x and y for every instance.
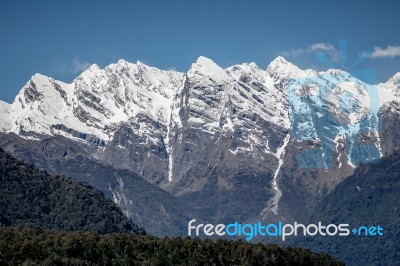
(93, 71)
(397, 76)
(94, 67)
(123, 61)
(120, 65)
(279, 60)
(338, 75)
(390, 90)
(202, 60)
(251, 74)
(395, 80)
(245, 66)
(336, 71)
(39, 76)
(208, 68)
(281, 69)
(36, 88)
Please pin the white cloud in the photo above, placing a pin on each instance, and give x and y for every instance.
(326, 48)
(79, 66)
(389, 51)
(75, 66)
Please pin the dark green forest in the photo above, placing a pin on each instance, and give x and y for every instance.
(31, 197)
(37, 247)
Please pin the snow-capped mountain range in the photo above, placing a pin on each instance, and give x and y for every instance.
(283, 137)
(98, 100)
(95, 102)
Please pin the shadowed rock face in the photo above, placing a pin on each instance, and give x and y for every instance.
(369, 197)
(390, 133)
(217, 144)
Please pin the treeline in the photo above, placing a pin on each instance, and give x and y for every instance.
(20, 246)
(32, 198)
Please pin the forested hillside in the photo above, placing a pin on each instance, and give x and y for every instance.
(32, 198)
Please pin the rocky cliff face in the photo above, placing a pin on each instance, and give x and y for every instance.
(238, 143)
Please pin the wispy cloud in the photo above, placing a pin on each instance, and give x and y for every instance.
(73, 67)
(379, 52)
(79, 66)
(327, 48)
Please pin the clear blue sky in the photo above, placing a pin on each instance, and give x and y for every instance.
(60, 38)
